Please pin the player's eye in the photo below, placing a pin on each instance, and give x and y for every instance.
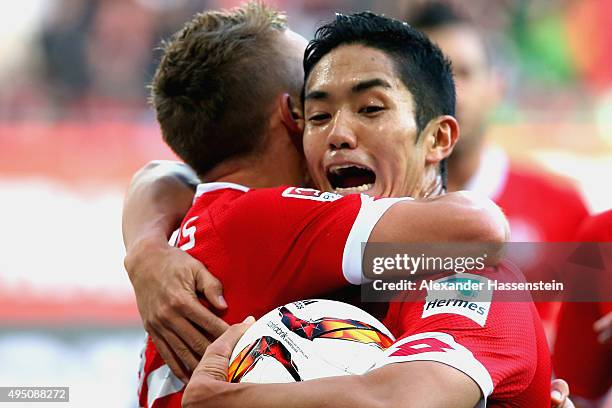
(371, 109)
(319, 117)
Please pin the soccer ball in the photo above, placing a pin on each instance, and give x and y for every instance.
(306, 340)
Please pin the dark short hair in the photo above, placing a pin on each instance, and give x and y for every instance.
(419, 63)
(216, 83)
(433, 15)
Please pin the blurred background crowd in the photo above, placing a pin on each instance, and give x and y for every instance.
(90, 60)
(75, 124)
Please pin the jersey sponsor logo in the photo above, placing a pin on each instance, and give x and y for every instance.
(310, 194)
(443, 348)
(476, 311)
(459, 302)
(425, 345)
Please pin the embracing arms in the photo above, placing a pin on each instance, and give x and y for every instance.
(167, 281)
(413, 384)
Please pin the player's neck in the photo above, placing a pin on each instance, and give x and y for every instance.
(248, 173)
(463, 165)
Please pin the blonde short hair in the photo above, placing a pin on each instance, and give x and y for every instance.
(217, 80)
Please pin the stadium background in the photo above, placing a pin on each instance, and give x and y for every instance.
(74, 126)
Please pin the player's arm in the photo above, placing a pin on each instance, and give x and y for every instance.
(412, 384)
(455, 217)
(158, 197)
(460, 224)
(165, 279)
(470, 224)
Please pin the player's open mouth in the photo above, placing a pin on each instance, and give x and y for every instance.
(350, 178)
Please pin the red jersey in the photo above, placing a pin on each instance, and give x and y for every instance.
(597, 228)
(268, 247)
(579, 358)
(500, 345)
(272, 246)
(538, 208)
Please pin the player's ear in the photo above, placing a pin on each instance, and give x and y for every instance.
(291, 114)
(291, 117)
(439, 138)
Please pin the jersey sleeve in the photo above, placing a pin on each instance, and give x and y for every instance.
(370, 211)
(318, 236)
(158, 387)
(442, 348)
(286, 243)
(499, 345)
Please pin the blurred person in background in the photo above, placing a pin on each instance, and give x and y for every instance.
(63, 46)
(117, 55)
(476, 166)
(539, 207)
(95, 64)
(583, 351)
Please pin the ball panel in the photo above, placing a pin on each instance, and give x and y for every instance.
(309, 339)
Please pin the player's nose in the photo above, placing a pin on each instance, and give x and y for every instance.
(341, 134)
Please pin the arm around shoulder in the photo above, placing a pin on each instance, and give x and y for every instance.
(454, 217)
(469, 224)
(158, 197)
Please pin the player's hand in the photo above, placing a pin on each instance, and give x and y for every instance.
(603, 327)
(559, 395)
(166, 281)
(205, 386)
(215, 362)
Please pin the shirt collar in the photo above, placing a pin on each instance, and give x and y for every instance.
(208, 187)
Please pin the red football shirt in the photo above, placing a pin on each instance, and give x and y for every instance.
(272, 246)
(500, 345)
(268, 247)
(579, 358)
(539, 208)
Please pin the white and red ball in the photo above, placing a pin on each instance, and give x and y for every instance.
(306, 340)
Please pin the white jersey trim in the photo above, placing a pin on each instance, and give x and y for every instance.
(162, 382)
(370, 212)
(141, 365)
(208, 187)
(457, 356)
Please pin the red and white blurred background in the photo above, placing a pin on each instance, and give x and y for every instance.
(74, 126)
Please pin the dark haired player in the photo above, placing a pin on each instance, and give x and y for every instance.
(357, 91)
